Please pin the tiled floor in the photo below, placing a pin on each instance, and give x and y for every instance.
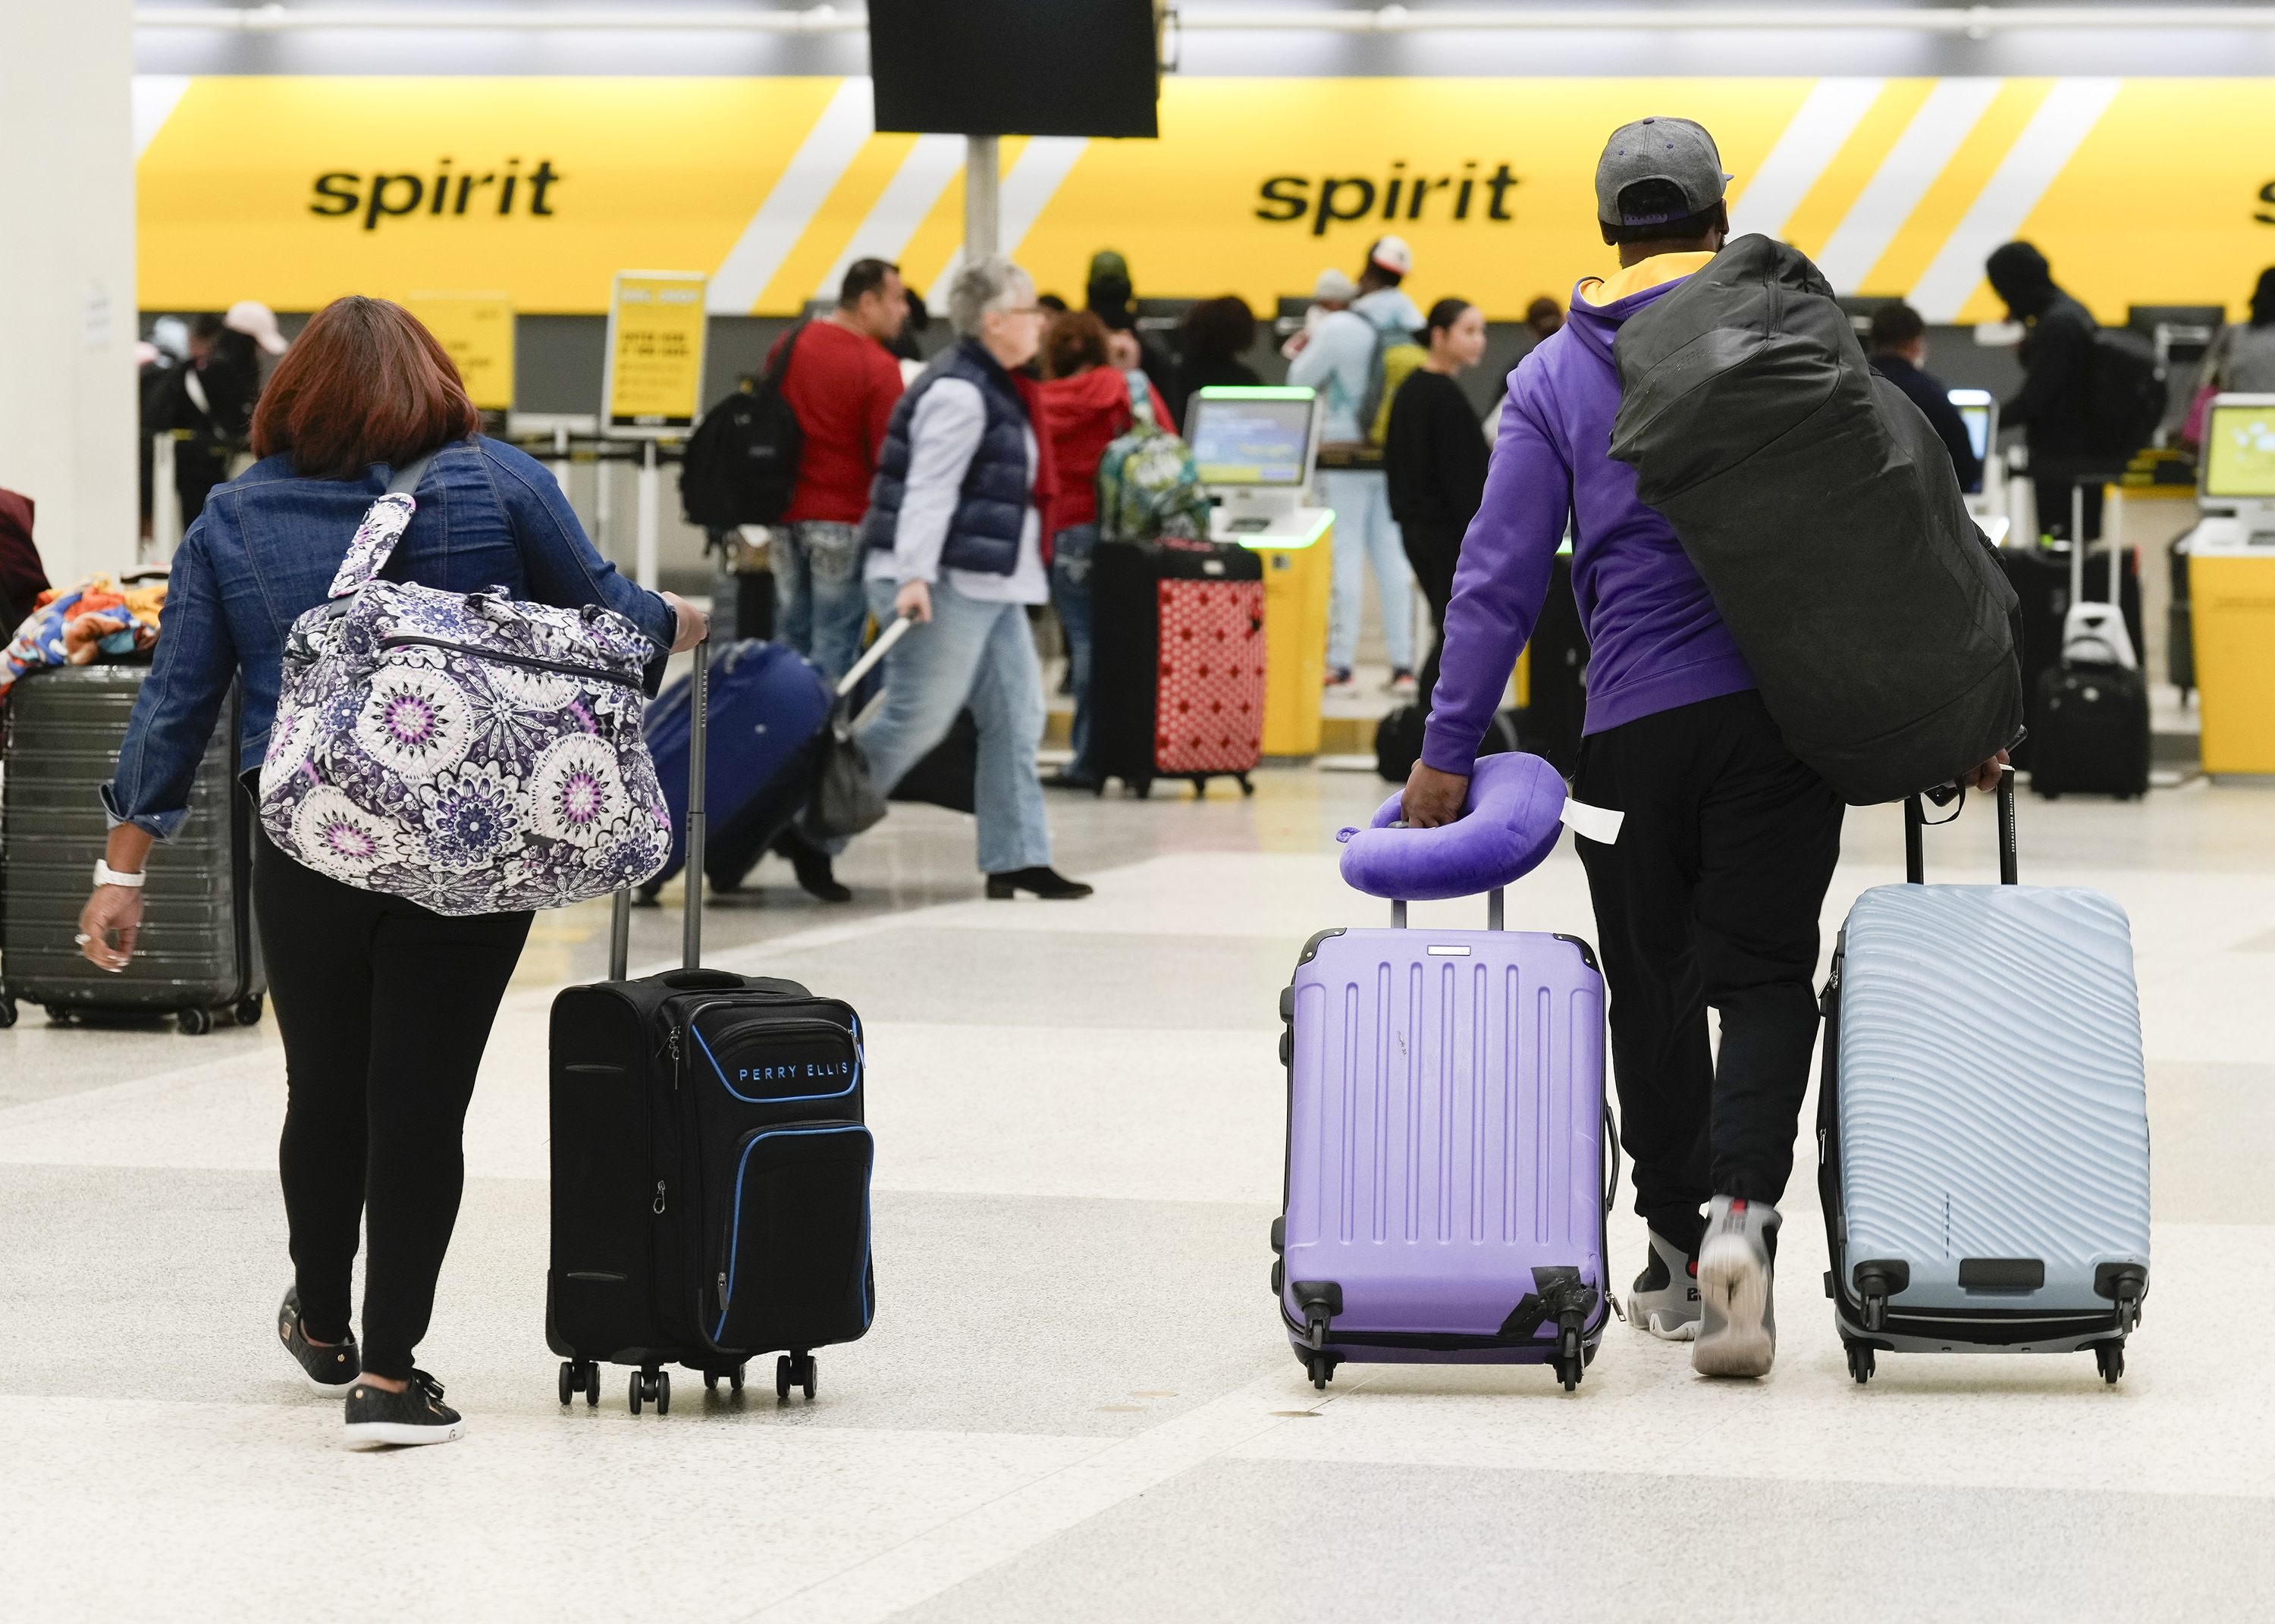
(1076, 1402)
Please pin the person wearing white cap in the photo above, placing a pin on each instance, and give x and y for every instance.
(257, 322)
(1342, 359)
(213, 397)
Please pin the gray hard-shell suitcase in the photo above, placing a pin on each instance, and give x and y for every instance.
(1983, 1128)
(198, 955)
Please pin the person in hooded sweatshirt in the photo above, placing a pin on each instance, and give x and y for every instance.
(1708, 894)
(2055, 408)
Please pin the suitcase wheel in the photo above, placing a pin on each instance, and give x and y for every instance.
(2109, 1359)
(248, 1010)
(734, 1379)
(794, 1370)
(1321, 1368)
(7, 1013)
(1245, 787)
(578, 1377)
(1860, 1362)
(195, 1022)
(653, 1386)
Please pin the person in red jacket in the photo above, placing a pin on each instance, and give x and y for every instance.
(1087, 403)
(842, 383)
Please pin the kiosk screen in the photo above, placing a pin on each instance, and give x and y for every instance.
(2240, 451)
(1978, 411)
(1251, 441)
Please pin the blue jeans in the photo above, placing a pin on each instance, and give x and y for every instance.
(820, 610)
(1071, 552)
(981, 656)
(1365, 534)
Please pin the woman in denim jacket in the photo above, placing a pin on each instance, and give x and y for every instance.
(385, 1007)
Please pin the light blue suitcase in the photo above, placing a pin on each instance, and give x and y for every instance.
(1983, 1132)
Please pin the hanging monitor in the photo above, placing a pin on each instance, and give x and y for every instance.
(1015, 67)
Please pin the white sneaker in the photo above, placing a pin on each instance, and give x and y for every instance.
(1737, 1328)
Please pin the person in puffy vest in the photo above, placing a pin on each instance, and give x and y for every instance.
(1708, 893)
(953, 541)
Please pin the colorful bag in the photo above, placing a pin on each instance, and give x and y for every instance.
(1148, 485)
(467, 752)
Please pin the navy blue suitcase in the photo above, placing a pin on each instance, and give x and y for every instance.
(767, 707)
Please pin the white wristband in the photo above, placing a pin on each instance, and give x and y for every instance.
(106, 875)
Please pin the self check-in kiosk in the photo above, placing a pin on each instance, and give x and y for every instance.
(2231, 558)
(1255, 448)
(1986, 498)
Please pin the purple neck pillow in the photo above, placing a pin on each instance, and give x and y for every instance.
(1509, 823)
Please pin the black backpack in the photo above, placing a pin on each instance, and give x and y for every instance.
(741, 464)
(2127, 391)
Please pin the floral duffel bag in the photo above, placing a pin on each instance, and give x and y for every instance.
(469, 751)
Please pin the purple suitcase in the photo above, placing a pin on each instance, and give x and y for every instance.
(1447, 1185)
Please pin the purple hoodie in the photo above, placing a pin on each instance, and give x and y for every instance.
(1655, 638)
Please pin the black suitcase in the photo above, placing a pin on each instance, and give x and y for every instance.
(198, 955)
(2090, 713)
(1399, 736)
(2092, 732)
(710, 1167)
(1556, 690)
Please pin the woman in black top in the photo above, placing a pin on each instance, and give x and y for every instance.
(1434, 455)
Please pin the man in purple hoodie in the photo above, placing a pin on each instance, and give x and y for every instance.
(1708, 884)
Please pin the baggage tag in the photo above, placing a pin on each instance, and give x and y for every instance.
(1599, 824)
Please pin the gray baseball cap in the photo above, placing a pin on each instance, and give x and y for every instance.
(1675, 150)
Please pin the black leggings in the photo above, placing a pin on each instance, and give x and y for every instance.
(385, 1008)
(1433, 549)
(1708, 899)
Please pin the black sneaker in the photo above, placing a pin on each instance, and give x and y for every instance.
(329, 1369)
(415, 1416)
(816, 873)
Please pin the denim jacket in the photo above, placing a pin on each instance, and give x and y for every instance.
(264, 551)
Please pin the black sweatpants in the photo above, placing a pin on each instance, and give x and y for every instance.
(384, 1008)
(1708, 898)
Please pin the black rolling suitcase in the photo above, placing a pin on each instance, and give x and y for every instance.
(198, 955)
(710, 1167)
(2091, 731)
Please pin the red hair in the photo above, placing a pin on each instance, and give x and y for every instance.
(364, 383)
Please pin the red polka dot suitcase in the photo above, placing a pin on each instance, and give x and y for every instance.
(1177, 662)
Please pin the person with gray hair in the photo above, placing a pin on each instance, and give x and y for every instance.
(954, 542)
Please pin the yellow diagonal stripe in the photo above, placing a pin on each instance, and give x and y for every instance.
(942, 232)
(1962, 180)
(833, 223)
(1853, 167)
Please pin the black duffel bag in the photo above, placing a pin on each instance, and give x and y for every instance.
(1822, 513)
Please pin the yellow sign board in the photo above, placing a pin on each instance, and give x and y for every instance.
(653, 377)
(476, 329)
(297, 190)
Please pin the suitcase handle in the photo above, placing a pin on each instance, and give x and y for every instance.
(619, 919)
(1916, 820)
(1494, 912)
